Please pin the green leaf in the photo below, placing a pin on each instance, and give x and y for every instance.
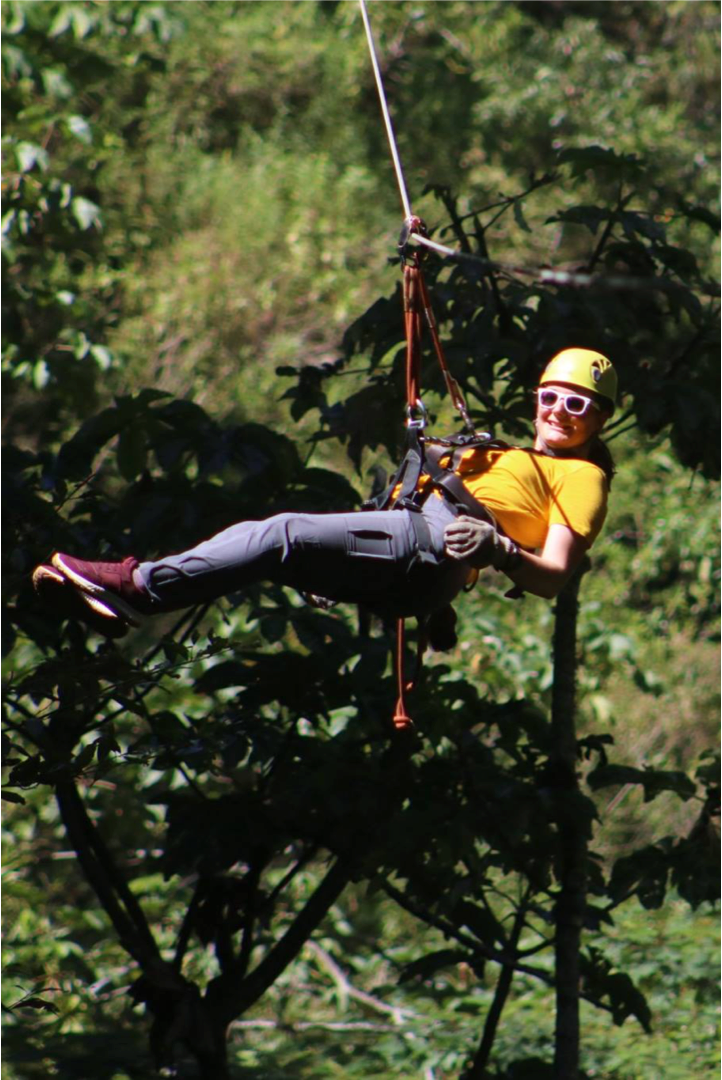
(75, 458)
(703, 214)
(590, 216)
(601, 159)
(228, 673)
(85, 212)
(602, 982)
(12, 796)
(644, 225)
(36, 1003)
(103, 356)
(107, 745)
(80, 127)
(519, 216)
(646, 873)
(654, 781)
(16, 21)
(85, 756)
(480, 921)
(29, 155)
(81, 21)
(8, 220)
(427, 965)
(132, 453)
(61, 22)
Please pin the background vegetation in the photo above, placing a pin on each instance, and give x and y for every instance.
(201, 323)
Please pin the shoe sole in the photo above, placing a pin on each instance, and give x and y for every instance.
(117, 605)
(74, 604)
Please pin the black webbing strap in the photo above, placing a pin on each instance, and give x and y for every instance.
(423, 535)
(422, 459)
(447, 480)
(406, 477)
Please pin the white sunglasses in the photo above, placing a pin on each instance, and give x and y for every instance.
(575, 404)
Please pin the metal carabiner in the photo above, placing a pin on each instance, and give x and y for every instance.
(414, 422)
(411, 225)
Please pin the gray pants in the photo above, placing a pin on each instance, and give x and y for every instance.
(367, 557)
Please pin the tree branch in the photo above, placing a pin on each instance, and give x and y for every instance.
(290, 875)
(348, 990)
(71, 811)
(244, 954)
(184, 934)
(115, 876)
(607, 231)
(474, 946)
(232, 997)
(503, 986)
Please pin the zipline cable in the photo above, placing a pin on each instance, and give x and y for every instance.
(385, 111)
(544, 275)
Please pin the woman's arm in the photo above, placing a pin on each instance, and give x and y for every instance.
(481, 545)
(546, 574)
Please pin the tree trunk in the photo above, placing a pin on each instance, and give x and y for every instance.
(572, 856)
(213, 1065)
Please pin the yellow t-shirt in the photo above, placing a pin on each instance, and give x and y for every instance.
(528, 491)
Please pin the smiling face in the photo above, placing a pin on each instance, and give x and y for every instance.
(557, 429)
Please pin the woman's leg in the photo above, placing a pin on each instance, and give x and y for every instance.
(370, 558)
(355, 557)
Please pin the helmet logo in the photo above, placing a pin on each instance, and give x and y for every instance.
(596, 373)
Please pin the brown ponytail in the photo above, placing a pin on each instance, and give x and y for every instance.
(600, 454)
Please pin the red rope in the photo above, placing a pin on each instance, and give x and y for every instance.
(455, 391)
(402, 720)
(413, 290)
(413, 287)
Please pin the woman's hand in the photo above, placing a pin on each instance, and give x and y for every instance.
(479, 544)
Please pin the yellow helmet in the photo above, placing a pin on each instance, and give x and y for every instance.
(584, 368)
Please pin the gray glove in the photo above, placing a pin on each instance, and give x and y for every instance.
(480, 544)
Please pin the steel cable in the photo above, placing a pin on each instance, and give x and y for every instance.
(544, 275)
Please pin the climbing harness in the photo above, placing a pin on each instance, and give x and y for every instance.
(425, 457)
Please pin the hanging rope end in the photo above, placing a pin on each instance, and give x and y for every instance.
(401, 720)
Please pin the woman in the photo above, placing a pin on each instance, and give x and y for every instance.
(546, 506)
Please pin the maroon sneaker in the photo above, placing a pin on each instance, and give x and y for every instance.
(109, 582)
(68, 602)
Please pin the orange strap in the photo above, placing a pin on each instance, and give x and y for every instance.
(416, 304)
